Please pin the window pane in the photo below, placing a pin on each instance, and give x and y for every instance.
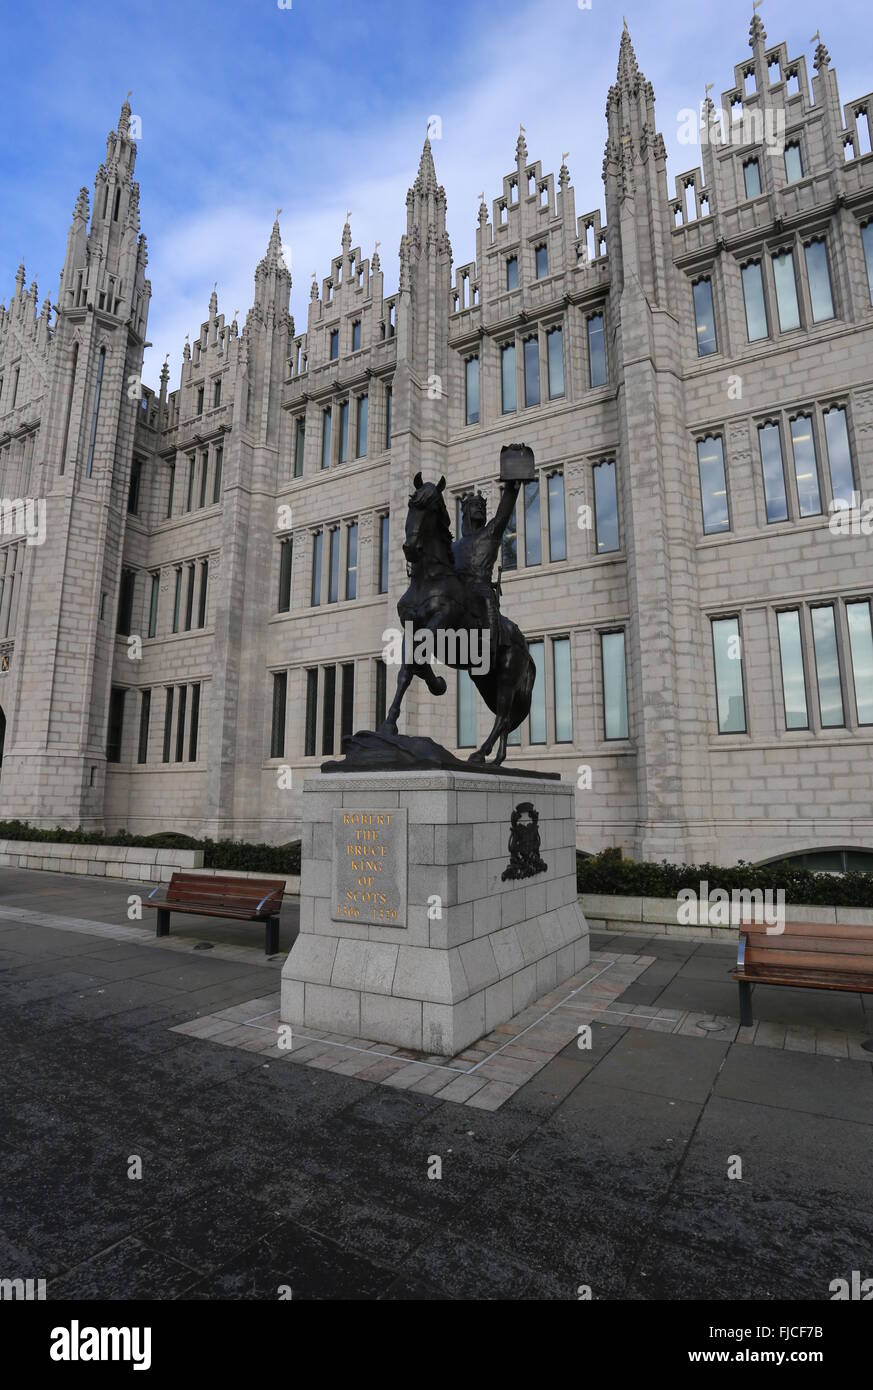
(819, 281)
(277, 731)
(333, 565)
(753, 294)
(713, 485)
(389, 395)
(827, 668)
(204, 586)
(328, 708)
(614, 684)
(180, 724)
(512, 273)
(704, 318)
(363, 411)
(605, 507)
(563, 690)
(344, 432)
(317, 543)
(509, 548)
(839, 457)
(774, 478)
(384, 533)
(793, 165)
(861, 644)
(596, 351)
(472, 390)
(325, 439)
(334, 344)
(356, 335)
(352, 561)
(285, 555)
(216, 487)
(168, 723)
(507, 362)
(537, 721)
(793, 679)
(194, 729)
(786, 291)
(555, 354)
(144, 713)
(381, 691)
(542, 261)
(153, 604)
(805, 467)
(557, 520)
(867, 243)
(347, 701)
(466, 711)
(531, 371)
(728, 676)
(311, 713)
(533, 551)
(752, 178)
(115, 729)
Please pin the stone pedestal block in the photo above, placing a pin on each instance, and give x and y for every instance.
(417, 927)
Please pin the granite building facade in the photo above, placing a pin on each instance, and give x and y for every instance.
(694, 371)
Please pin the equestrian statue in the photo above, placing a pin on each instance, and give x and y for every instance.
(451, 591)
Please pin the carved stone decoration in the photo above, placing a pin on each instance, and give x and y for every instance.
(525, 860)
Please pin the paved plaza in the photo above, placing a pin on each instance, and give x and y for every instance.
(605, 1168)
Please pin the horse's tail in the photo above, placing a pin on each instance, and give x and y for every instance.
(520, 707)
(520, 676)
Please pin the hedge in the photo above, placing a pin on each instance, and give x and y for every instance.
(217, 854)
(609, 873)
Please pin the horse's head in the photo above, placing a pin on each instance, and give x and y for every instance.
(427, 516)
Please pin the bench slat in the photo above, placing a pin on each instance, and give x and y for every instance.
(812, 960)
(856, 984)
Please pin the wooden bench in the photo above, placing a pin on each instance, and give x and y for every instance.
(807, 955)
(204, 895)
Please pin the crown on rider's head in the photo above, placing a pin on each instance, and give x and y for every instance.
(467, 501)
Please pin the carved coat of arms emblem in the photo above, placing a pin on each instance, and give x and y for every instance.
(525, 859)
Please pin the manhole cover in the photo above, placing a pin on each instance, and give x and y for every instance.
(710, 1026)
(203, 946)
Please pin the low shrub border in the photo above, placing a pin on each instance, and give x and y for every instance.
(217, 854)
(609, 873)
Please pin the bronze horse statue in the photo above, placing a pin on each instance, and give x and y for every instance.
(448, 593)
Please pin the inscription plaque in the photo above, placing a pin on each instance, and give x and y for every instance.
(369, 867)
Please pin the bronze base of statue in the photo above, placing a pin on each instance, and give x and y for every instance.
(376, 752)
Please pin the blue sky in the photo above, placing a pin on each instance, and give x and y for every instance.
(320, 108)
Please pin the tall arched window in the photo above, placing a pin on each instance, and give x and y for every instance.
(97, 389)
(75, 362)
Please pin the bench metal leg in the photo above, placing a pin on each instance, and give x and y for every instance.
(163, 922)
(271, 936)
(746, 1020)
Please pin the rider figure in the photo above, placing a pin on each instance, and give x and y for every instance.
(477, 549)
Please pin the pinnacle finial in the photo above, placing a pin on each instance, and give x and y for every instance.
(822, 57)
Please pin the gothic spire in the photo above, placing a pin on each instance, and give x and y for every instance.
(273, 258)
(426, 178)
(628, 70)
